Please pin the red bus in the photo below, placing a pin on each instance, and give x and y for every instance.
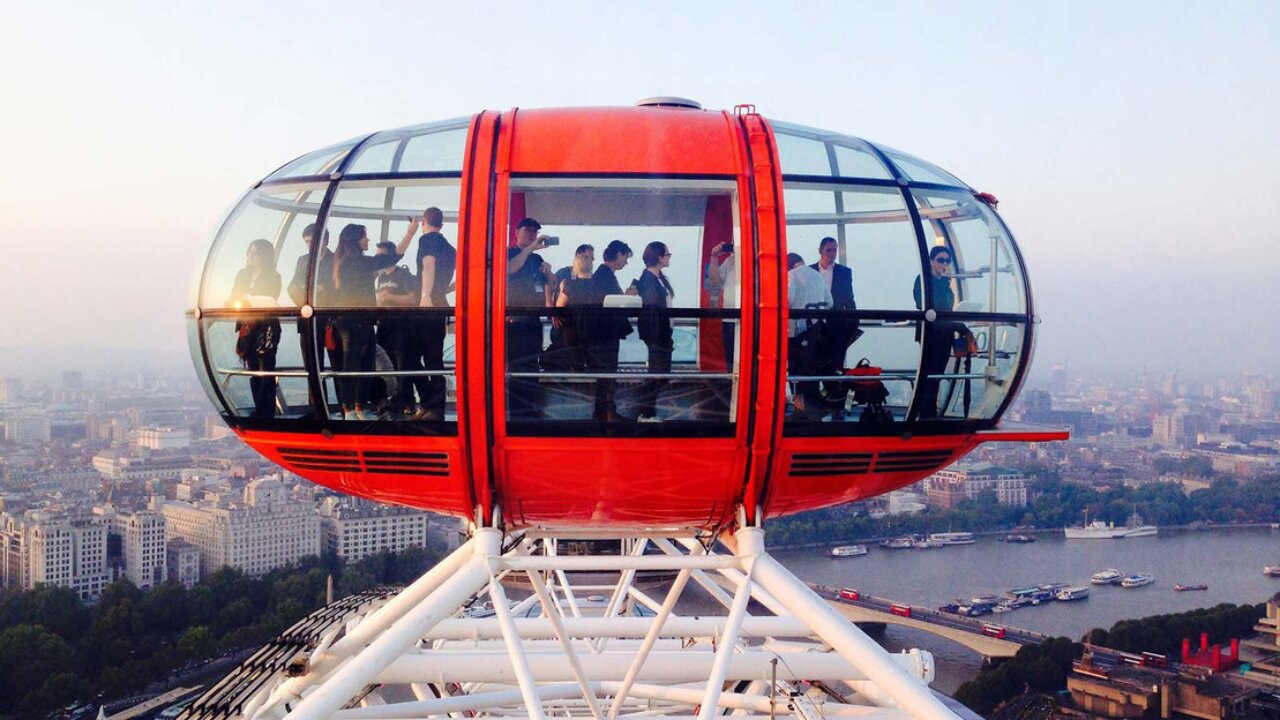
(850, 594)
(994, 631)
(903, 610)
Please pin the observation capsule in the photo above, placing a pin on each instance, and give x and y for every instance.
(603, 322)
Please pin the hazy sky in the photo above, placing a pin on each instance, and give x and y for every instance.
(1135, 147)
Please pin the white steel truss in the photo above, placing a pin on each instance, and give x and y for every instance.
(458, 642)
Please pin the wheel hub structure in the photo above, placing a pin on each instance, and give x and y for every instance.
(509, 626)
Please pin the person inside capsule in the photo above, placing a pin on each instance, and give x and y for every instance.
(353, 282)
(806, 290)
(940, 333)
(607, 336)
(395, 286)
(529, 285)
(839, 332)
(656, 295)
(324, 285)
(579, 291)
(258, 285)
(437, 259)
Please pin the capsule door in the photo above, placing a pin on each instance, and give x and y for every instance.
(616, 384)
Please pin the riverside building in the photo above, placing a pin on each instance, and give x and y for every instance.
(950, 487)
(355, 528)
(69, 551)
(257, 531)
(142, 545)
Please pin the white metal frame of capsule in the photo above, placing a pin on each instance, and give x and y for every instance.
(418, 655)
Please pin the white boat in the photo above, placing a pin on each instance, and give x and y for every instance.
(927, 544)
(898, 543)
(1272, 570)
(952, 538)
(1110, 576)
(1098, 530)
(847, 551)
(1073, 592)
(1137, 580)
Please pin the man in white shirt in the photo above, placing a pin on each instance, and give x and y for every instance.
(806, 290)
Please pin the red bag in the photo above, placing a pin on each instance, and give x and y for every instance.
(330, 340)
(868, 390)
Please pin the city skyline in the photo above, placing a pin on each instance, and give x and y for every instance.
(1102, 130)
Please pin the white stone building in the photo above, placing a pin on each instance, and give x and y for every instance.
(69, 552)
(164, 438)
(259, 531)
(142, 543)
(948, 488)
(27, 427)
(355, 529)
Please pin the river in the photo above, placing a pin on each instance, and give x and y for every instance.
(1228, 560)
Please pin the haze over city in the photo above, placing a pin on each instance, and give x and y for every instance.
(1132, 148)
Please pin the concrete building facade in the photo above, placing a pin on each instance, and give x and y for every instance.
(950, 487)
(354, 529)
(69, 552)
(263, 529)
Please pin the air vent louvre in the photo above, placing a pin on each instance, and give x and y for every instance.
(326, 460)
(911, 461)
(812, 464)
(407, 463)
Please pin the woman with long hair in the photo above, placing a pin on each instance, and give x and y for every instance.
(656, 295)
(353, 286)
(579, 290)
(258, 340)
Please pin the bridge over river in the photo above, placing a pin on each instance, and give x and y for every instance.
(989, 639)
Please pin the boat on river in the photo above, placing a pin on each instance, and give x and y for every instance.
(1187, 588)
(1137, 580)
(1019, 538)
(1073, 592)
(927, 544)
(1272, 570)
(840, 551)
(1110, 576)
(898, 543)
(952, 538)
(1098, 530)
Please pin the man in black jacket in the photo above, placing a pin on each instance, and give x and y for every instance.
(839, 333)
(610, 330)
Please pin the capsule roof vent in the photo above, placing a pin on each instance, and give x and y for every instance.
(669, 101)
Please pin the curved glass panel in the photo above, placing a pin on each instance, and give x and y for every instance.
(959, 384)
(375, 157)
(593, 340)
(434, 147)
(197, 356)
(242, 272)
(435, 152)
(810, 151)
(864, 390)
(384, 209)
(389, 364)
(917, 170)
(257, 365)
(985, 274)
(803, 156)
(860, 256)
(873, 234)
(320, 162)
